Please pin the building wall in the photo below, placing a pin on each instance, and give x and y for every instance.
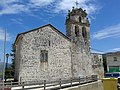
(59, 56)
(97, 65)
(17, 60)
(111, 64)
(81, 61)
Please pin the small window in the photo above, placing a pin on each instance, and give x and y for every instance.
(44, 56)
(76, 30)
(115, 58)
(84, 33)
(79, 19)
(85, 42)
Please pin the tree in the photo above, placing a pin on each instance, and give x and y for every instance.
(104, 63)
(9, 72)
(13, 60)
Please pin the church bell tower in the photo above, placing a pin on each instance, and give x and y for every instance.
(78, 28)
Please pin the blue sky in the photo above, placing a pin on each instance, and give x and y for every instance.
(18, 16)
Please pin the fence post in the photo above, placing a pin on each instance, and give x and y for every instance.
(19, 83)
(22, 85)
(118, 84)
(11, 85)
(60, 83)
(44, 84)
(79, 80)
(71, 82)
(86, 79)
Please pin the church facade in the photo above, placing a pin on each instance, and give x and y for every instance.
(45, 53)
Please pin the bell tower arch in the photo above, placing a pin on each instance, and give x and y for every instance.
(78, 28)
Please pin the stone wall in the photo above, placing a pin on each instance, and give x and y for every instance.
(82, 65)
(17, 60)
(59, 56)
(97, 65)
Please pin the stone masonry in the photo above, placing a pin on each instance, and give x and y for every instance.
(59, 56)
(97, 65)
(78, 30)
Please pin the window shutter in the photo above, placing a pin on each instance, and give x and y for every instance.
(42, 56)
(46, 56)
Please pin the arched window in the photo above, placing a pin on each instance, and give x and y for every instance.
(79, 19)
(76, 30)
(84, 33)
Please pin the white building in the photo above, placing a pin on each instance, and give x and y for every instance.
(113, 61)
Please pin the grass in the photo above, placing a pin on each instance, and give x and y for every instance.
(0, 74)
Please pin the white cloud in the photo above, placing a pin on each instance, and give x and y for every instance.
(17, 21)
(20, 22)
(102, 52)
(88, 5)
(2, 35)
(39, 3)
(109, 32)
(114, 50)
(95, 51)
(107, 51)
(19, 6)
(12, 7)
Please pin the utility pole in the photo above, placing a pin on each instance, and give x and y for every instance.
(4, 59)
(7, 55)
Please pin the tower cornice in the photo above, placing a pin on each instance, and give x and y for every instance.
(77, 11)
(75, 22)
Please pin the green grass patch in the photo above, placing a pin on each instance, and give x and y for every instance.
(1, 74)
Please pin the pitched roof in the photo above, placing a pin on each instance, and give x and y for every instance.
(55, 29)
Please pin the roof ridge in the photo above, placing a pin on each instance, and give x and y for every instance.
(39, 28)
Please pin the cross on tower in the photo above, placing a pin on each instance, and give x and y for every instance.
(76, 4)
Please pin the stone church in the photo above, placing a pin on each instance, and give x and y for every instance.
(45, 53)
